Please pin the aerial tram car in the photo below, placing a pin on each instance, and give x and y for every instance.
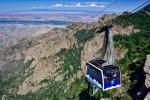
(103, 74)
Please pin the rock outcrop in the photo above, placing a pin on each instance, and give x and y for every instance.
(147, 80)
(147, 72)
(117, 29)
(106, 18)
(144, 90)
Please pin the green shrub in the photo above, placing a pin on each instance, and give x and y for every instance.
(83, 36)
(71, 58)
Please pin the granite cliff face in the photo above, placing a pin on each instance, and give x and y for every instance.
(147, 80)
(52, 61)
(147, 72)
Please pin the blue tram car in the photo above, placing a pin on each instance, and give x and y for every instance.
(104, 78)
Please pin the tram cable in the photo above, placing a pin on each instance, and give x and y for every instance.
(132, 12)
(120, 19)
(103, 10)
(98, 14)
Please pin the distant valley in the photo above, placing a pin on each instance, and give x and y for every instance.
(11, 32)
(16, 25)
(50, 15)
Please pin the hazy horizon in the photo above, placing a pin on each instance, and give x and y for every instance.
(96, 5)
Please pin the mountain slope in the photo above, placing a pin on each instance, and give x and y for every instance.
(52, 65)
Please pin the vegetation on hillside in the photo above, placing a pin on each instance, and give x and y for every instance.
(9, 84)
(71, 58)
(83, 36)
(138, 46)
(139, 20)
(52, 91)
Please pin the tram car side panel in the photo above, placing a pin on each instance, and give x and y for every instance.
(112, 77)
(94, 75)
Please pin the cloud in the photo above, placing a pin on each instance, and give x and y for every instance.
(40, 7)
(96, 2)
(78, 5)
(57, 5)
(34, 7)
(102, 6)
(92, 4)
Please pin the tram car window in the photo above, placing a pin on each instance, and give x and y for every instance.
(111, 77)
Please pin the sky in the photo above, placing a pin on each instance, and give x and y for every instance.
(120, 6)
